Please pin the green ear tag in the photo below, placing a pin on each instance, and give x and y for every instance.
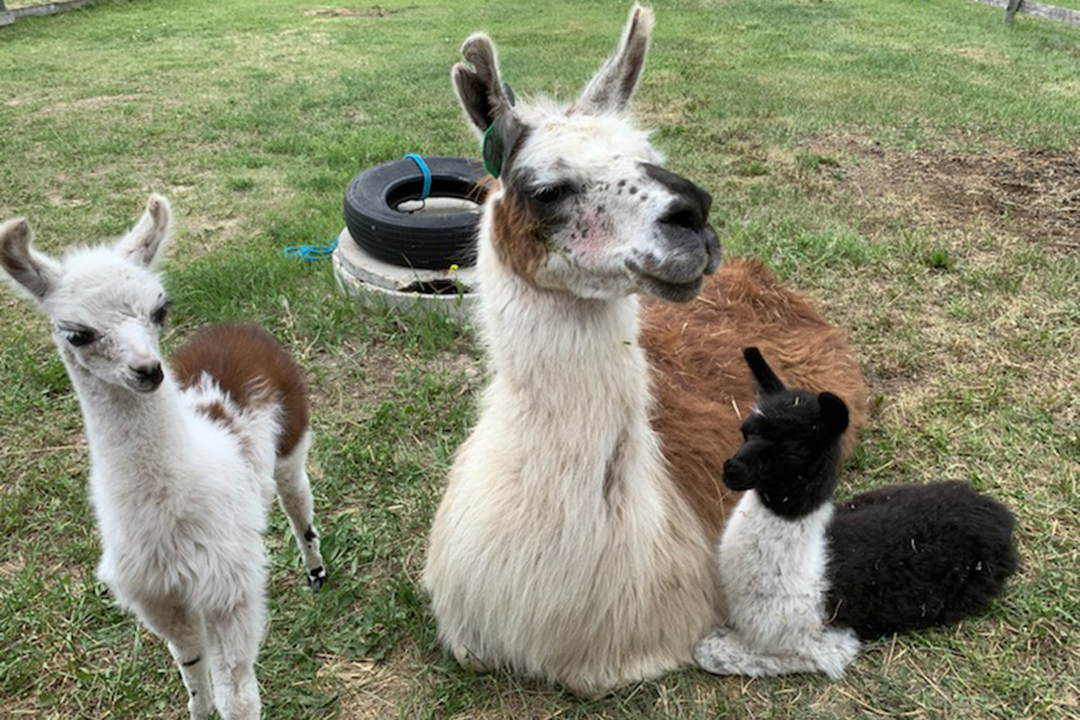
(493, 151)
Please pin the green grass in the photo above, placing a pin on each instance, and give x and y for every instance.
(804, 118)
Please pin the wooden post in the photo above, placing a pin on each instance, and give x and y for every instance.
(1010, 11)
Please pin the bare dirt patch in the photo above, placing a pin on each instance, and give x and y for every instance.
(1034, 193)
(361, 374)
(372, 12)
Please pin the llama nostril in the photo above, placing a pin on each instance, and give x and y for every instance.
(690, 205)
(684, 216)
(150, 375)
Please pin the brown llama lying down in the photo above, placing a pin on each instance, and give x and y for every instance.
(703, 388)
(576, 536)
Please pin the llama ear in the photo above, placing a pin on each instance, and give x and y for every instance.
(614, 84)
(145, 243)
(834, 414)
(32, 272)
(766, 378)
(488, 102)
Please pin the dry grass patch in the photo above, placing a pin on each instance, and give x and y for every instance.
(87, 104)
(1034, 193)
(369, 690)
(351, 380)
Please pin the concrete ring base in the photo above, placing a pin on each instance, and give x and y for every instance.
(357, 273)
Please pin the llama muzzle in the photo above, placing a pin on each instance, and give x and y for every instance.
(146, 378)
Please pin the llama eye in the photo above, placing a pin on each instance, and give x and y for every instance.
(79, 338)
(159, 315)
(553, 193)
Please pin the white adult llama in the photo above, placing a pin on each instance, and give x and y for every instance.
(183, 463)
(575, 538)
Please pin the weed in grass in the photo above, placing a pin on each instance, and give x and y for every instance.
(811, 162)
(240, 184)
(751, 168)
(940, 260)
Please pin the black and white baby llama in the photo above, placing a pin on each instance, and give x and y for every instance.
(804, 581)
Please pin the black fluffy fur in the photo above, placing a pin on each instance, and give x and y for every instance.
(912, 556)
(902, 557)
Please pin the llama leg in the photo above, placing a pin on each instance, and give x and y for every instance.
(724, 652)
(468, 660)
(834, 649)
(184, 633)
(294, 493)
(234, 639)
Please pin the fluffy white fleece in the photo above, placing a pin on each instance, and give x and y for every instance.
(772, 575)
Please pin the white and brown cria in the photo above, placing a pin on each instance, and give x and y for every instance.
(575, 538)
(183, 463)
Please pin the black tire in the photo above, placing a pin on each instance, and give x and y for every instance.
(415, 240)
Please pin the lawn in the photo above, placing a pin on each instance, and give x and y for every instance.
(912, 166)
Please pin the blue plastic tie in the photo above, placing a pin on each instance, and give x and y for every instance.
(427, 174)
(310, 253)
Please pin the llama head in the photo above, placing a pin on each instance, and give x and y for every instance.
(583, 204)
(791, 449)
(105, 303)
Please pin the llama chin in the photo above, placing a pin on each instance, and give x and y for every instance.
(183, 463)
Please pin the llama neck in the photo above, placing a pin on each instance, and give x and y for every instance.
(570, 385)
(765, 540)
(563, 352)
(128, 431)
(788, 535)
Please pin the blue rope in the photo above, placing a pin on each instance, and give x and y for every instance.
(313, 253)
(427, 174)
(310, 253)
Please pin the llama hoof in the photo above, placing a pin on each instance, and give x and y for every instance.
(467, 660)
(316, 578)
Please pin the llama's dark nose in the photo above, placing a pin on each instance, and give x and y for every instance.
(685, 222)
(737, 476)
(148, 376)
(689, 211)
